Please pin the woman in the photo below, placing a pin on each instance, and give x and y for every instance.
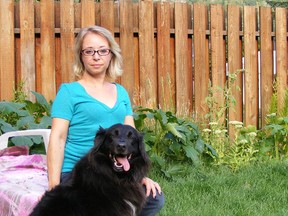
(81, 107)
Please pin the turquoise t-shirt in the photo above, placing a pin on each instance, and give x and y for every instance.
(86, 115)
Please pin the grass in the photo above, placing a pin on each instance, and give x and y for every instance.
(258, 189)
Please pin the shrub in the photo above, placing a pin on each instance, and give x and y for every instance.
(23, 114)
(170, 139)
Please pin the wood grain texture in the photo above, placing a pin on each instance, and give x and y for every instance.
(7, 59)
(251, 68)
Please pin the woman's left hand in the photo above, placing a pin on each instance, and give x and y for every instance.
(151, 186)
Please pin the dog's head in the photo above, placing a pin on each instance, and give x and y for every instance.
(124, 147)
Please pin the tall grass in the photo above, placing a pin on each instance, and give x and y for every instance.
(257, 189)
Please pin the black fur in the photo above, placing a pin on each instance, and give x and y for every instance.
(98, 186)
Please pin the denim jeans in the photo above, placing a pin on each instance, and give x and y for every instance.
(152, 207)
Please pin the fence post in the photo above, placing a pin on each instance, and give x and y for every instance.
(7, 50)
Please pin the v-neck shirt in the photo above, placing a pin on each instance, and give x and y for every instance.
(86, 115)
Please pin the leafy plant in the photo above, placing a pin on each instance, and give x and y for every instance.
(236, 150)
(170, 139)
(273, 138)
(22, 114)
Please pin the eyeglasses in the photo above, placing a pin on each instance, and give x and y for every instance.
(91, 52)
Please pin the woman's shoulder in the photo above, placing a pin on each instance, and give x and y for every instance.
(70, 88)
(70, 85)
(122, 92)
(120, 87)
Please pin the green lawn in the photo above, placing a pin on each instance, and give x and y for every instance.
(259, 189)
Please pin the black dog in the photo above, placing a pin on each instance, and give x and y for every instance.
(105, 182)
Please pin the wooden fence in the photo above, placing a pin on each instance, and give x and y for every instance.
(172, 51)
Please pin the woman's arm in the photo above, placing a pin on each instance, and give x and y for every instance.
(129, 120)
(150, 185)
(55, 154)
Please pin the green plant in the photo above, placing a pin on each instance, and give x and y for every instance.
(218, 112)
(234, 151)
(243, 148)
(22, 114)
(273, 138)
(170, 139)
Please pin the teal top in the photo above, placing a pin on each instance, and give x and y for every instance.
(86, 114)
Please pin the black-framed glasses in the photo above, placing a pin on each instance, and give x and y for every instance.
(91, 52)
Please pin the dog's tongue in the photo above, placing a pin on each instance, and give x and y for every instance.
(124, 162)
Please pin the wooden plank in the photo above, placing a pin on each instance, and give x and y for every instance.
(27, 47)
(7, 59)
(218, 60)
(136, 97)
(38, 79)
(235, 64)
(172, 71)
(17, 61)
(67, 40)
(98, 13)
(87, 13)
(48, 50)
(183, 76)
(148, 77)
(166, 85)
(190, 59)
(77, 15)
(201, 69)
(251, 71)
(58, 72)
(126, 33)
(107, 14)
(266, 50)
(281, 56)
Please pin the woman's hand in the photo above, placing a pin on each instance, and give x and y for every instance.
(151, 186)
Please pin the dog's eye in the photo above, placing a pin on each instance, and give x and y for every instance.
(129, 135)
(116, 132)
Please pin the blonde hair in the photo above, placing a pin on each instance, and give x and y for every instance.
(114, 69)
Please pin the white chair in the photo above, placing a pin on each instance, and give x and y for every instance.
(45, 133)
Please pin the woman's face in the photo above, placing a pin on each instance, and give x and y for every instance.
(94, 63)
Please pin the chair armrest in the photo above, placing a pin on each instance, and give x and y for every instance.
(45, 133)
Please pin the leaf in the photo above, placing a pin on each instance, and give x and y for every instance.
(22, 141)
(173, 170)
(285, 119)
(175, 148)
(158, 160)
(10, 107)
(6, 127)
(46, 122)
(149, 137)
(171, 127)
(192, 154)
(41, 99)
(200, 145)
(24, 122)
(41, 104)
(161, 117)
(211, 149)
(37, 139)
(275, 128)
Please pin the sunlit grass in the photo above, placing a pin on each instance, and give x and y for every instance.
(258, 189)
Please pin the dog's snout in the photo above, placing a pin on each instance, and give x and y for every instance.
(121, 146)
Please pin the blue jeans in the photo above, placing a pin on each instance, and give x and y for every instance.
(151, 208)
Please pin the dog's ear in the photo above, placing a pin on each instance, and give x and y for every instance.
(99, 138)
